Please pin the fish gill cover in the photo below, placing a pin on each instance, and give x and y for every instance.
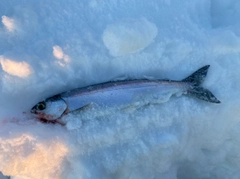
(47, 47)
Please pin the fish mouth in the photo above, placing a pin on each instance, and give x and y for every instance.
(33, 110)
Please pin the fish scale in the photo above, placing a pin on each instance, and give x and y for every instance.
(121, 94)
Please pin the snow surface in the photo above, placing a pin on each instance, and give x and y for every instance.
(47, 47)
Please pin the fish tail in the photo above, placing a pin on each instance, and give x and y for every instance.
(195, 80)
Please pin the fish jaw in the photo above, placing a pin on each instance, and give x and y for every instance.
(42, 116)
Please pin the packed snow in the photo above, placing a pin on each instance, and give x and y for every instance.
(48, 47)
(129, 36)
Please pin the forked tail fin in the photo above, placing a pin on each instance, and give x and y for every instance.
(195, 80)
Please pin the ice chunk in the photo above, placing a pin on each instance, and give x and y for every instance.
(20, 69)
(59, 54)
(8, 23)
(129, 36)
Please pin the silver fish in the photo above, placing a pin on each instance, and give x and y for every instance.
(122, 93)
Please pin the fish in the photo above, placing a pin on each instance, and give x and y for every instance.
(123, 93)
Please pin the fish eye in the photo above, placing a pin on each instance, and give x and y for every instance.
(41, 106)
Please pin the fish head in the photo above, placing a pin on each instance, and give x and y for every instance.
(50, 109)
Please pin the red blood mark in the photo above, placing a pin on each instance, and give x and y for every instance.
(30, 120)
(44, 118)
(51, 122)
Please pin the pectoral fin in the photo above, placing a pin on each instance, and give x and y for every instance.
(76, 111)
(130, 108)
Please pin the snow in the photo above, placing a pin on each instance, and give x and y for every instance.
(47, 47)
